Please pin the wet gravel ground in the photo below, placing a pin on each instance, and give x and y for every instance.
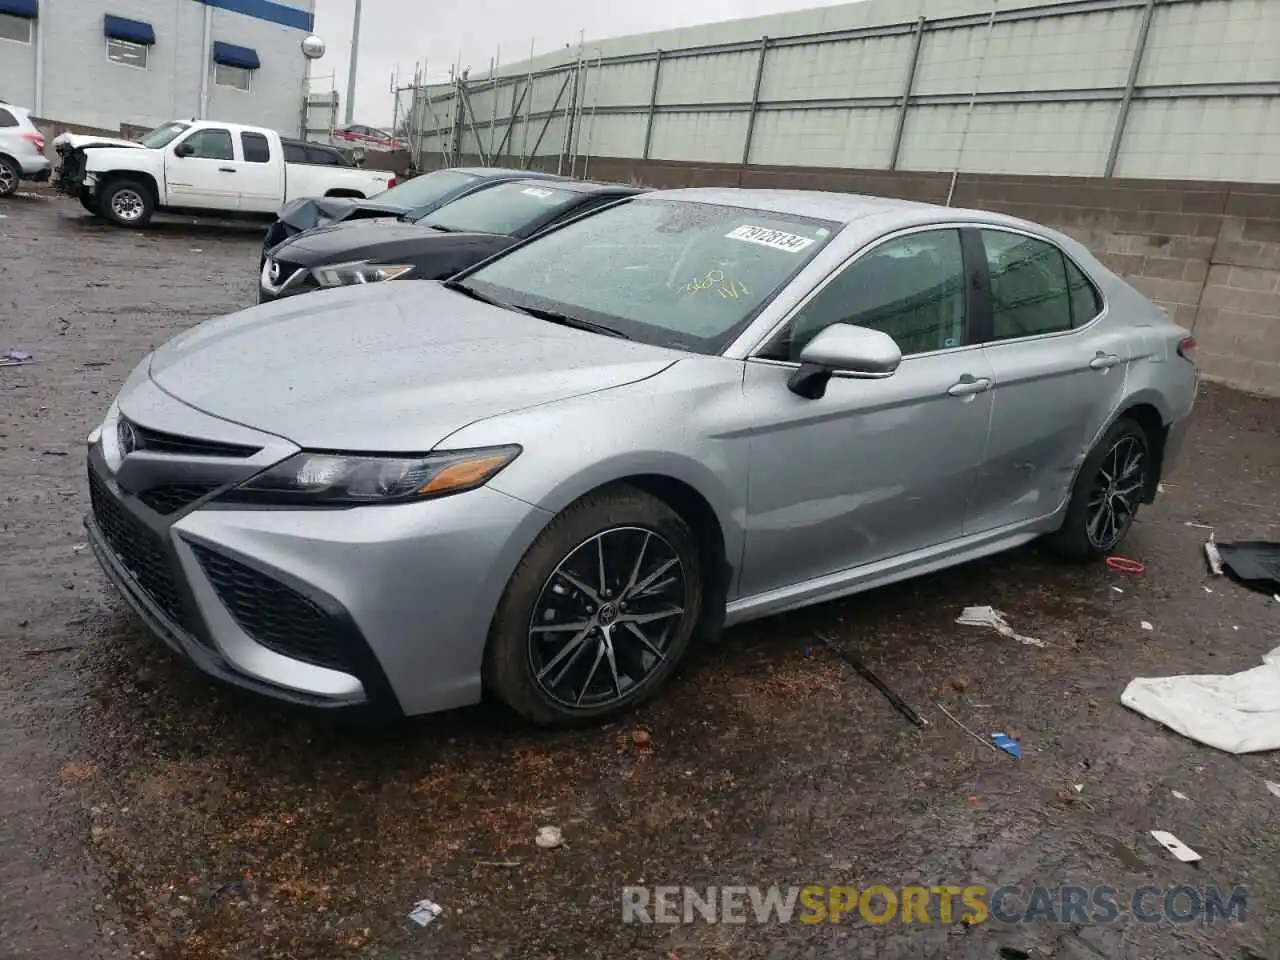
(147, 811)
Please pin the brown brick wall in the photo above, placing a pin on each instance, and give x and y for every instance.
(1207, 252)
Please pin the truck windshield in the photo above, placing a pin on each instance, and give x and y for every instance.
(161, 136)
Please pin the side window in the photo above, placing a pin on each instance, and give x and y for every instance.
(294, 152)
(911, 288)
(255, 146)
(319, 155)
(7, 119)
(1086, 302)
(1029, 293)
(211, 144)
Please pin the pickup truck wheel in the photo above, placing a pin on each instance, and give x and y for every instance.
(127, 203)
(9, 177)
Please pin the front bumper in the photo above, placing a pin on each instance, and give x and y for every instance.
(379, 609)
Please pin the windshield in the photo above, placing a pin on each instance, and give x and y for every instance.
(507, 208)
(669, 272)
(162, 136)
(427, 189)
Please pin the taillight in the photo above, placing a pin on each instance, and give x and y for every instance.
(391, 183)
(1187, 349)
(35, 139)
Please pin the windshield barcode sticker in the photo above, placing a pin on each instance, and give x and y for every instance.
(769, 238)
(536, 192)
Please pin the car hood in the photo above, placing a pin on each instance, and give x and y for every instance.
(391, 367)
(75, 141)
(308, 212)
(374, 240)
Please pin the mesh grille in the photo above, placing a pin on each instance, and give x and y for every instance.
(276, 616)
(140, 550)
(172, 497)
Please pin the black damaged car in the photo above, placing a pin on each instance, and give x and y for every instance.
(408, 201)
(435, 247)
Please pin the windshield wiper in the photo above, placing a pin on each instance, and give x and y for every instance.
(549, 315)
(576, 323)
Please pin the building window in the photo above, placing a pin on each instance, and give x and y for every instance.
(237, 78)
(129, 54)
(17, 29)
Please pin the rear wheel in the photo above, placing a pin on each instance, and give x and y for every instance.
(126, 203)
(599, 612)
(10, 175)
(1108, 492)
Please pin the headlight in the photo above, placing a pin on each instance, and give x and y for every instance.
(327, 479)
(361, 271)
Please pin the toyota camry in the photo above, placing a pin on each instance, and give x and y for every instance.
(544, 478)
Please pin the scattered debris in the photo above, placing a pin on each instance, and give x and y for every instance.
(1118, 589)
(1078, 787)
(1212, 555)
(1252, 563)
(642, 737)
(1273, 787)
(1147, 625)
(1180, 795)
(549, 838)
(1066, 796)
(1237, 713)
(1175, 846)
(1125, 565)
(498, 863)
(1008, 745)
(424, 911)
(1198, 526)
(898, 703)
(990, 617)
(1208, 589)
(989, 746)
(960, 684)
(15, 358)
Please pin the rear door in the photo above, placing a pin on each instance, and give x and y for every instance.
(207, 178)
(259, 174)
(1059, 366)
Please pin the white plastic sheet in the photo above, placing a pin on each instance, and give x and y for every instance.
(1237, 713)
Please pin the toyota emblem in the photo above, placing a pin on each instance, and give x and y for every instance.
(126, 437)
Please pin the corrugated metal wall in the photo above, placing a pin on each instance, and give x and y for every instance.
(1184, 89)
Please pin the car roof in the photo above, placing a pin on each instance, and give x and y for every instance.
(590, 186)
(507, 172)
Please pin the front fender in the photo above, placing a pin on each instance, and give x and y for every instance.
(104, 160)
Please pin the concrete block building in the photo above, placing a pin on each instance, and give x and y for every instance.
(107, 63)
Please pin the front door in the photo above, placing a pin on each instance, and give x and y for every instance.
(875, 468)
(206, 178)
(1059, 377)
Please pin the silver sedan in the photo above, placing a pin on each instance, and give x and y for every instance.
(545, 478)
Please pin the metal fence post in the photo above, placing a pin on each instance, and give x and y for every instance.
(653, 104)
(917, 39)
(1122, 118)
(754, 108)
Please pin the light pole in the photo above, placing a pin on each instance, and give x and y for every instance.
(351, 72)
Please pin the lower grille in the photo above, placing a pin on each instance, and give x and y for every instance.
(172, 497)
(140, 550)
(276, 616)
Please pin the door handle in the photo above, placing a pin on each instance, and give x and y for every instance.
(1104, 361)
(968, 386)
(226, 169)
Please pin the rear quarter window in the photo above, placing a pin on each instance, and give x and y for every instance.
(7, 119)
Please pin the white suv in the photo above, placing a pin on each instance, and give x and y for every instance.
(21, 149)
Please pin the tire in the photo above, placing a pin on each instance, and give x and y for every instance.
(127, 203)
(87, 201)
(1075, 539)
(10, 177)
(538, 674)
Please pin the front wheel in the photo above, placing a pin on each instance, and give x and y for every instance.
(1108, 492)
(599, 612)
(126, 203)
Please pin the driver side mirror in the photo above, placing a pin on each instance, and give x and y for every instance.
(857, 352)
(184, 150)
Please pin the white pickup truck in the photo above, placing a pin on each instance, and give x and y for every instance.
(202, 166)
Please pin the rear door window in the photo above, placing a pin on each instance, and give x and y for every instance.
(1029, 294)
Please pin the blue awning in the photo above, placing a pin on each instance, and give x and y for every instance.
(122, 28)
(30, 9)
(229, 55)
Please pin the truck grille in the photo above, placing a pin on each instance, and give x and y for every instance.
(276, 616)
(139, 549)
